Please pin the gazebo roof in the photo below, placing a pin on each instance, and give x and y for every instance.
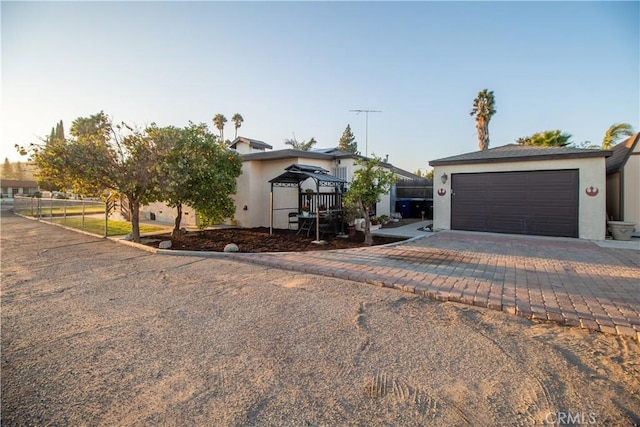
(296, 173)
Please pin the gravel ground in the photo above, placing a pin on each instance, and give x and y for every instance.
(99, 333)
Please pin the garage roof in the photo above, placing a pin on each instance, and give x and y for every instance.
(519, 153)
(621, 153)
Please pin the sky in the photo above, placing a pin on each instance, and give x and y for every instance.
(298, 68)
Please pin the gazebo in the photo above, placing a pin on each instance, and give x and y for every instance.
(295, 175)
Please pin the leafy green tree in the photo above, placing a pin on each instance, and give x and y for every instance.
(199, 171)
(547, 138)
(219, 120)
(368, 184)
(484, 107)
(348, 142)
(303, 146)
(615, 133)
(237, 120)
(429, 175)
(59, 133)
(419, 173)
(586, 145)
(49, 160)
(7, 169)
(100, 157)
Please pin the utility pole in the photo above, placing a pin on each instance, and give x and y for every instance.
(366, 132)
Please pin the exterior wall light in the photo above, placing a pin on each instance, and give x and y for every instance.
(444, 178)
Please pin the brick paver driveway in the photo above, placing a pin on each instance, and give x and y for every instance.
(566, 281)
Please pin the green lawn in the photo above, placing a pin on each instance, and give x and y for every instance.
(96, 226)
(71, 210)
(93, 209)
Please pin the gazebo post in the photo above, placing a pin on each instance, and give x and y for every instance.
(317, 211)
(340, 190)
(271, 210)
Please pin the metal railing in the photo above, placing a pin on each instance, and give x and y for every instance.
(87, 215)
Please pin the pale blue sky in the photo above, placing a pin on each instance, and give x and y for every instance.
(299, 67)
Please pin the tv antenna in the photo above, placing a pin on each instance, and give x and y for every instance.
(366, 131)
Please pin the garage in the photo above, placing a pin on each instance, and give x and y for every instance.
(521, 189)
(543, 203)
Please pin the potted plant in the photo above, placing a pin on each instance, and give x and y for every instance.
(349, 214)
(375, 223)
(621, 230)
(305, 210)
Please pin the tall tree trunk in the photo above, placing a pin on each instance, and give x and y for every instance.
(368, 238)
(176, 228)
(483, 134)
(135, 219)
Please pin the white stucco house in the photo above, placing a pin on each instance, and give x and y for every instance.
(623, 182)
(260, 165)
(517, 189)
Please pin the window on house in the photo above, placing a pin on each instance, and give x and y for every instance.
(341, 172)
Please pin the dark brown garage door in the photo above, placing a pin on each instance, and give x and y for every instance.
(543, 203)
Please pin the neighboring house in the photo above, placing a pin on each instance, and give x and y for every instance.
(518, 189)
(623, 182)
(260, 164)
(12, 187)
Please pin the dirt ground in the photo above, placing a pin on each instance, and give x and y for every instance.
(255, 240)
(98, 333)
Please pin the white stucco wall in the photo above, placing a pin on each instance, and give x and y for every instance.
(631, 189)
(166, 214)
(383, 207)
(254, 192)
(591, 210)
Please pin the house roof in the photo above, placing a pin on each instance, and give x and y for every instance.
(287, 153)
(254, 143)
(519, 153)
(15, 183)
(296, 173)
(621, 153)
(403, 173)
(323, 154)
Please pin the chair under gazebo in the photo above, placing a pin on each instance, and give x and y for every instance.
(294, 176)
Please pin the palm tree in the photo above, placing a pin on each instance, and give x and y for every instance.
(484, 107)
(616, 132)
(303, 146)
(237, 122)
(547, 138)
(219, 120)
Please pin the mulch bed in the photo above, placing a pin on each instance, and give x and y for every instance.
(254, 240)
